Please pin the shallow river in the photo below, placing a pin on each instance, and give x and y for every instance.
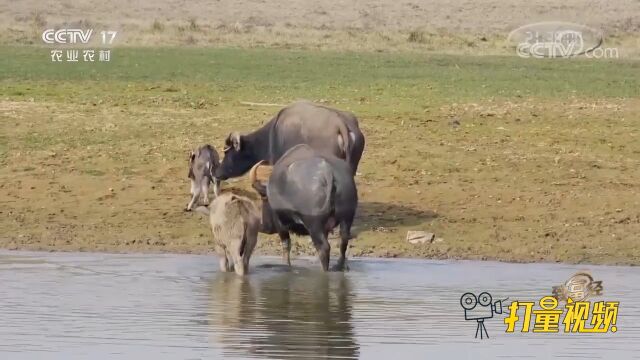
(107, 306)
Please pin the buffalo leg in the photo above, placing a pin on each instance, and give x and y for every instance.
(320, 241)
(344, 243)
(345, 236)
(286, 247)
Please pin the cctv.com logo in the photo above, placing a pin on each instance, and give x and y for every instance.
(479, 309)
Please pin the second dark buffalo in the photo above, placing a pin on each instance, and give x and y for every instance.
(308, 193)
(324, 129)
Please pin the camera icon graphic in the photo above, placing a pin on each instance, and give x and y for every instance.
(479, 309)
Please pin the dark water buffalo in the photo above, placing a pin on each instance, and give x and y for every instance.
(308, 193)
(325, 129)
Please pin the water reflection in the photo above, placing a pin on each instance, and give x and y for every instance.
(298, 314)
(67, 306)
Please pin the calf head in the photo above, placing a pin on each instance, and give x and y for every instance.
(197, 164)
(238, 158)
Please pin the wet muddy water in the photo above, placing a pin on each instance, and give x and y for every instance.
(113, 306)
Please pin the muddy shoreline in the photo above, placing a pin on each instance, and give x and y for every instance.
(271, 248)
(533, 177)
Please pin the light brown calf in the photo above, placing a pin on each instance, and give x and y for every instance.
(235, 222)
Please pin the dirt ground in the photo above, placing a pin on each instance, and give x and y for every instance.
(506, 181)
(419, 25)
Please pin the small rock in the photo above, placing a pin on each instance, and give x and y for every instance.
(420, 237)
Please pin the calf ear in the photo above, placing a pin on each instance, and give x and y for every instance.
(211, 171)
(191, 159)
(236, 140)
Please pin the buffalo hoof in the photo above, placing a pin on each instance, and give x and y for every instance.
(339, 267)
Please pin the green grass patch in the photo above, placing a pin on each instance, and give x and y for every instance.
(94, 172)
(192, 76)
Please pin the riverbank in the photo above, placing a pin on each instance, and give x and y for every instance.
(502, 158)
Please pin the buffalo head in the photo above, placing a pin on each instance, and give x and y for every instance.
(238, 158)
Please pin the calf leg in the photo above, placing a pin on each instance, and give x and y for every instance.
(249, 244)
(216, 186)
(205, 190)
(286, 247)
(195, 191)
(245, 264)
(224, 264)
(238, 264)
(230, 261)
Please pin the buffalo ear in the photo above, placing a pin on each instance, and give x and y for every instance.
(260, 188)
(235, 140)
(258, 185)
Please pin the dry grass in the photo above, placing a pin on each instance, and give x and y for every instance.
(523, 181)
(478, 27)
(522, 161)
(501, 157)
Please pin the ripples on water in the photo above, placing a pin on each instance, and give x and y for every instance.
(99, 306)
